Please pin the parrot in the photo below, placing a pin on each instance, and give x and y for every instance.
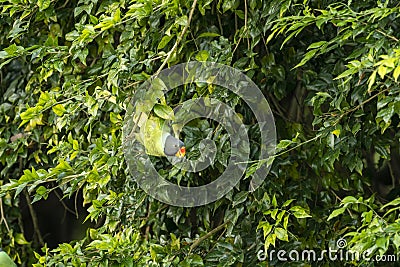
(5, 260)
(156, 138)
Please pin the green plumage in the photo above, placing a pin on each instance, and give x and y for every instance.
(152, 135)
(5, 260)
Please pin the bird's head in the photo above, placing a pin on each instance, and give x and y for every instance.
(174, 147)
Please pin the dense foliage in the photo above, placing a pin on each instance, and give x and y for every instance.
(328, 69)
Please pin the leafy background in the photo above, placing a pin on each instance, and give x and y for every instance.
(328, 69)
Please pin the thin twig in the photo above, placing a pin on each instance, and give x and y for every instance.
(131, 84)
(299, 145)
(245, 23)
(3, 219)
(337, 197)
(169, 54)
(237, 45)
(221, 29)
(147, 230)
(245, 14)
(201, 239)
(387, 35)
(219, 237)
(283, 152)
(34, 218)
(236, 23)
(178, 39)
(62, 203)
(340, 200)
(361, 104)
(76, 204)
(64, 5)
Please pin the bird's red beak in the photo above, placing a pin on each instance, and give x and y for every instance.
(181, 152)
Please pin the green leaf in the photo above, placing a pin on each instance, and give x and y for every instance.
(43, 4)
(192, 260)
(19, 189)
(229, 5)
(175, 242)
(202, 55)
(240, 198)
(29, 114)
(349, 200)
(383, 242)
(164, 112)
(75, 145)
(287, 202)
(396, 241)
(208, 34)
(117, 16)
(386, 113)
(41, 190)
(280, 216)
(270, 240)
(63, 166)
(395, 202)
(81, 54)
(310, 54)
(93, 109)
(5, 62)
(299, 212)
(44, 98)
(59, 109)
(346, 73)
(284, 144)
(164, 41)
(396, 73)
(286, 221)
(266, 227)
(182, 20)
(367, 216)
(273, 213)
(115, 118)
(336, 213)
(20, 239)
(382, 150)
(316, 45)
(281, 234)
(382, 70)
(3, 54)
(13, 50)
(371, 80)
(71, 36)
(274, 202)
(73, 155)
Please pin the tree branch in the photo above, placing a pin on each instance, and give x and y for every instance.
(178, 39)
(34, 218)
(201, 239)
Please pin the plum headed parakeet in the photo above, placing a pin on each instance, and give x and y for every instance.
(5, 260)
(156, 138)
